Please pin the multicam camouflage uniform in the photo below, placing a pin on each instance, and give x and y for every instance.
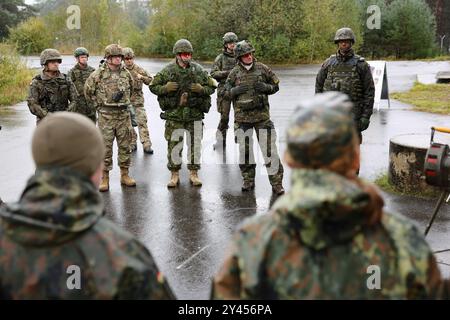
(350, 74)
(137, 100)
(185, 115)
(223, 64)
(58, 223)
(50, 94)
(251, 112)
(78, 75)
(321, 239)
(110, 92)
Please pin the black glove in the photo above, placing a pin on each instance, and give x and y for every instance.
(363, 124)
(236, 91)
(117, 96)
(262, 87)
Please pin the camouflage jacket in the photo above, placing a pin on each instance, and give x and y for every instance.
(349, 74)
(58, 223)
(323, 240)
(252, 106)
(172, 104)
(137, 98)
(110, 89)
(78, 76)
(51, 94)
(223, 64)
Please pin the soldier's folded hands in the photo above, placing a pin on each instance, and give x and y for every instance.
(236, 91)
(171, 86)
(197, 88)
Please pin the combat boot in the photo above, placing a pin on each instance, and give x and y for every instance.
(278, 189)
(125, 179)
(147, 148)
(104, 186)
(174, 179)
(248, 185)
(193, 177)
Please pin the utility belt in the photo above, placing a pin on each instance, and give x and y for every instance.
(249, 104)
(115, 108)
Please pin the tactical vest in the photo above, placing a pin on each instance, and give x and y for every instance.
(251, 99)
(79, 77)
(343, 76)
(137, 97)
(228, 62)
(196, 104)
(54, 93)
(113, 83)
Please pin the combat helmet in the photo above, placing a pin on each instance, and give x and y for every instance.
(113, 50)
(181, 46)
(49, 55)
(344, 34)
(80, 52)
(128, 53)
(230, 37)
(321, 130)
(242, 48)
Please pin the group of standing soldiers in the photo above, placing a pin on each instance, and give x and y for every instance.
(184, 88)
(319, 241)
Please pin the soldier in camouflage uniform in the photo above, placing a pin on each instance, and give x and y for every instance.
(248, 85)
(349, 73)
(183, 88)
(223, 64)
(50, 90)
(78, 75)
(140, 77)
(55, 242)
(322, 238)
(109, 89)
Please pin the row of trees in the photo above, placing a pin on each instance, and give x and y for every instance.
(12, 12)
(281, 30)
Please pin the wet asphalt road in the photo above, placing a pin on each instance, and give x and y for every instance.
(187, 229)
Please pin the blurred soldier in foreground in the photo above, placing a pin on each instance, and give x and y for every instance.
(55, 243)
(249, 85)
(109, 89)
(50, 90)
(140, 77)
(329, 237)
(183, 88)
(223, 64)
(78, 75)
(349, 73)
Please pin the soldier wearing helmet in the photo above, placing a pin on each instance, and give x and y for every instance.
(50, 90)
(140, 77)
(248, 85)
(223, 64)
(349, 73)
(78, 75)
(109, 89)
(321, 238)
(184, 92)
